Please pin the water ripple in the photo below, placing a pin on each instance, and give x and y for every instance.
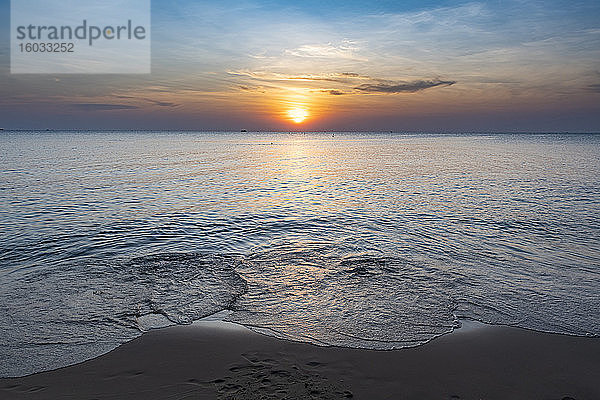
(363, 240)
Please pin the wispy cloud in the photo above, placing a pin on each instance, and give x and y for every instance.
(103, 106)
(595, 87)
(147, 100)
(335, 92)
(345, 50)
(346, 82)
(402, 87)
(248, 88)
(162, 103)
(268, 76)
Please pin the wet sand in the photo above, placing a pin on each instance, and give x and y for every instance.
(209, 360)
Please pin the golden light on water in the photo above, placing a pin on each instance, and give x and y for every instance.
(298, 115)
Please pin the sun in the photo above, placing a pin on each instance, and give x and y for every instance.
(298, 115)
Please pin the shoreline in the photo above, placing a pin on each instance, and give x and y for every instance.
(214, 359)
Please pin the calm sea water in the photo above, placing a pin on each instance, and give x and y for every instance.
(362, 240)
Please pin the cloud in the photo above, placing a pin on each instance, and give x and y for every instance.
(162, 103)
(266, 76)
(402, 87)
(346, 83)
(342, 77)
(148, 100)
(594, 88)
(251, 88)
(103, 106)
(345, 50)
(352, 75)
(333, 92)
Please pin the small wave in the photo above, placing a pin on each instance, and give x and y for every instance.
(323, 293)
(311, 293)
(361, 300)
(99, 305)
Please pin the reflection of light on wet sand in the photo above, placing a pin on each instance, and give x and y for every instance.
(470, 326)
(217, 321)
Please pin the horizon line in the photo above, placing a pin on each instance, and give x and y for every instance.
(405, 132)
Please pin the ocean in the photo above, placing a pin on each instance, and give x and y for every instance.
(365, 240)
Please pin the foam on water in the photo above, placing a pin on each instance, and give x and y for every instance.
(388, 302)
(65, 315)
(369, 301)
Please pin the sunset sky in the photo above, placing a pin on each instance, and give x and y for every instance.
(348, 65)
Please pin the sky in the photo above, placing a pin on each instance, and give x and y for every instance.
(422, 66)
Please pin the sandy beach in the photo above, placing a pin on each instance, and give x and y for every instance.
(212, 359)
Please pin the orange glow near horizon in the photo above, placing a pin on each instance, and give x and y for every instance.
(298, 115)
